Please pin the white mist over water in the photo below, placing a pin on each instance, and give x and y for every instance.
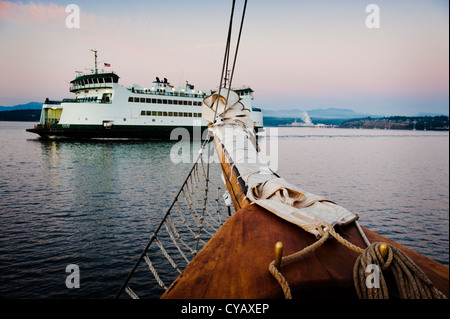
(305, 118)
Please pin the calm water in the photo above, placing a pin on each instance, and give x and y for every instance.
(95, 204)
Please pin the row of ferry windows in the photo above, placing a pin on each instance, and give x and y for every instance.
(163, 101)
(94, 81)
(178, 114)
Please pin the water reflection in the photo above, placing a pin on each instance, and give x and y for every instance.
(96, 203)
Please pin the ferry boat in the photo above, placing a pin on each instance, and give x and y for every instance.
(102, 108)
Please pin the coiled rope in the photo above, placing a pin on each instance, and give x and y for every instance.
(411, 282)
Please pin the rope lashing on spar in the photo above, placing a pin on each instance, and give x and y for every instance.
(411, 282)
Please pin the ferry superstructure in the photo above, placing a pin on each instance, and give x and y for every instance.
(103, 108)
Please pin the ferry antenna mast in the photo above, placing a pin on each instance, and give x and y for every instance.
(227, 77)
(95, 57)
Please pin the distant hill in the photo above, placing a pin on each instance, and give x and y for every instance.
(28, 115)
(336, 113)
(430, 114)
(277, 121)
(28, 106)
(330, 113)
(30, 112)
(440, 122)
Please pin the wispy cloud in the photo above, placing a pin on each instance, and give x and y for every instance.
(31, 12)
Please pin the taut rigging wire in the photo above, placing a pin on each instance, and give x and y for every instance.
(227, 52)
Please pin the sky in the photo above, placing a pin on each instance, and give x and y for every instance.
(294, 54)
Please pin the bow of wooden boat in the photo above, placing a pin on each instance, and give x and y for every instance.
(234, 263)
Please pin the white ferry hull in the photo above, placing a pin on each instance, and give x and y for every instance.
(102, 108)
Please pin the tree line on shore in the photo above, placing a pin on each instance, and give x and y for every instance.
(440, 122)
(20, 115)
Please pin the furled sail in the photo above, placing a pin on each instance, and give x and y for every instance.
(230, 122)
(309, 211)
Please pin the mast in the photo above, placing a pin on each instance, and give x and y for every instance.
(95, 57)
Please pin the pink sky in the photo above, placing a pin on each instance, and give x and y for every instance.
(295, 54)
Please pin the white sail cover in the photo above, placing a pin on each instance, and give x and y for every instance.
(232, 126)
(301, 208)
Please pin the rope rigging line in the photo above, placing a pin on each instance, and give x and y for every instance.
(237, 48)
(190, 221)
(227, 53)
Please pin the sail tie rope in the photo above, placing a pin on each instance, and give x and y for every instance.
(411, 281)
